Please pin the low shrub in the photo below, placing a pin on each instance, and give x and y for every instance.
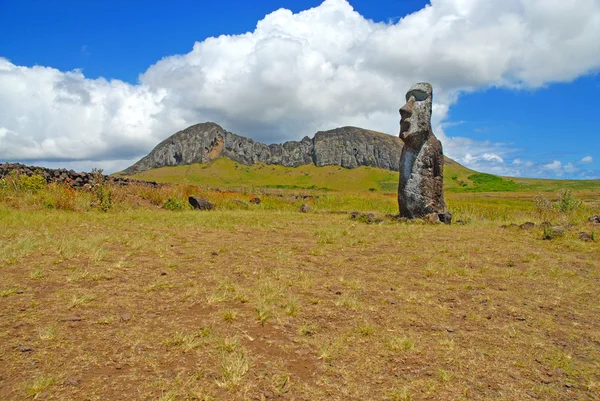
(175, 204)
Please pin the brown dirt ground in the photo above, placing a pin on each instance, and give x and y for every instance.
(162, 305)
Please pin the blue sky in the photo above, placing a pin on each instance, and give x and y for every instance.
(99, 83)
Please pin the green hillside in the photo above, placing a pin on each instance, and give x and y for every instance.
(225, 173)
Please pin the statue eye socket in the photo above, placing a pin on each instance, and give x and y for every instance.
(418, 95)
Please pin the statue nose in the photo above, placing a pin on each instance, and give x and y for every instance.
(405, 111)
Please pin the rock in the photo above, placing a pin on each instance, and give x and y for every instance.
(586, 237)
(125, 317)
(554, 232)
(255, 201)
(72, 381)
(74, 179)
(368, 218)
(305, 208)
(351, 147)
(527, 225)
(420, 190)
(433, 218)
(545, 224)
(71, 319)
(200, 203)
(26, 348)
(594, 219)
(446, 218)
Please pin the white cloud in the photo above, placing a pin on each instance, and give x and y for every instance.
(555, 166)
(570, 168)
(299, 73)
(587, 159)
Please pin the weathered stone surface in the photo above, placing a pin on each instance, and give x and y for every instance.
(351, 147)
(200, 203)
(446, 218)
(594, 219)
(347, 147)
(527, 225)
(305, 208)
(420, 189)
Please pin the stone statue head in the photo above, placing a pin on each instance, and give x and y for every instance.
(415, 121)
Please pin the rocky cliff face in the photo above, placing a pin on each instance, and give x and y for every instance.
(348, 147)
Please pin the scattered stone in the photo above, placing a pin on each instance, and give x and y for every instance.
(200, 203)
(520, 318)
(26, 348)
(420, 190)
(527, 225)
(125, 317)
(19, 292)
(71, 319)
(255, 201)
(163, 273)
(72, 381)
(445, 217)
(554, 232)
(545, 224)
(585, 237)
(432, 218)
(595, 219)
(449, 330)
(368, 218)
(461, 222)
(305, 208)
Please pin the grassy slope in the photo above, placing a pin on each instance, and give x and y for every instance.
(457, 178)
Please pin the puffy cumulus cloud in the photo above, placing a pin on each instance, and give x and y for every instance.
(49, 115)
(555, 165)
(587, 159)
(298, 73)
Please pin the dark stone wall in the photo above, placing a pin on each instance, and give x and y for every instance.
(73, 178)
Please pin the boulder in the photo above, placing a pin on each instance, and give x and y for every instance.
(200, 203)
(527, 225)
(305, 208)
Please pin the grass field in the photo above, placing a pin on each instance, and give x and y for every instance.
(259, 302)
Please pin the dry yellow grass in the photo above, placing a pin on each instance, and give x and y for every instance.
(269, 302)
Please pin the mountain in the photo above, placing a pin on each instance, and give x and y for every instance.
(347, 147)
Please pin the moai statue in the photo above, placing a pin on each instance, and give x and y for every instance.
(420, 190)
